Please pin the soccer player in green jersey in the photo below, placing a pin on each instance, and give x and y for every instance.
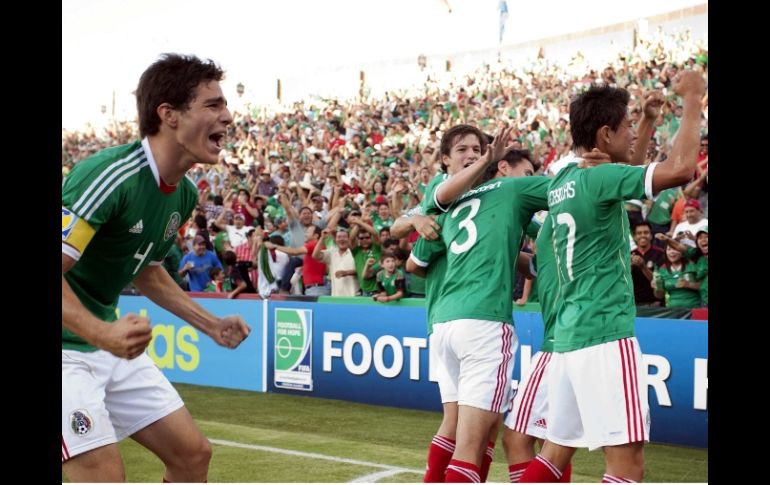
(429, 257)
(121, 210)
(473, 336)
(598, 389)
(527, 421)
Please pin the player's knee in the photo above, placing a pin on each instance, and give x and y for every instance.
(203, 453)
(508, 442)
(196, 456)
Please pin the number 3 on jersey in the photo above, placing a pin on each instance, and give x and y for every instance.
(466, 224)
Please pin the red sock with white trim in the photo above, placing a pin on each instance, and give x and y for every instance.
(516, 471)
(439, 454)
(486, 461)
(607, 478)
(462, 472)
(540, 470)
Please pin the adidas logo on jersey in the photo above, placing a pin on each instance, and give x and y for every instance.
(540, 423)
(137, 228)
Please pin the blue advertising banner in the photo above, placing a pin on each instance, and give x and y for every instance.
(186, 355)
(378, 354)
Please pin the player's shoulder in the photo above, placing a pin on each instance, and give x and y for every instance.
(615, 169)
(608, 173)
(117, 158)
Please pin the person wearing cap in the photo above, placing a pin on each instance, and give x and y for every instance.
(694, 222)
(266, 185)
(236, 232)
(196, 264)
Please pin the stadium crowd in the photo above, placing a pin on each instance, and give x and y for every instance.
(270, 213)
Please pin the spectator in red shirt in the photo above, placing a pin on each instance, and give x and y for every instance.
(313, 271)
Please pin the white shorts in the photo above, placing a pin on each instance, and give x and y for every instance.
(598, 396)
(105, 398)
(477, 357)
(529, 407)
(447, 388)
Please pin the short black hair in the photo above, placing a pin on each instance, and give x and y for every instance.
(639, 224)
(600, 105)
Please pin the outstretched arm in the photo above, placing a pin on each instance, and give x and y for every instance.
(680, 166)
(464, 180)
(155, 283)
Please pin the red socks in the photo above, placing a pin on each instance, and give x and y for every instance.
(541, 470)
(516, 471)
(611, 479)
(462, 472)
(439, 455)
(486, 461)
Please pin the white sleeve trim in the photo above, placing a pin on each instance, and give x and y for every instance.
(532, 269)
(435, 197)
(70, 251)
(418, 262)
(155, 263)
(648, 180)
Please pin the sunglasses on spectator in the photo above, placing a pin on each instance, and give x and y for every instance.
(364, 237)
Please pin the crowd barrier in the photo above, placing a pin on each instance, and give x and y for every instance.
(357, 350)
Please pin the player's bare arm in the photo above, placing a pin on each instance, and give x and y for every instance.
(425, 226)
(414, 268)
(157, 285)
(653, 102)
(469, 176)
(127, 337)
(680, 166)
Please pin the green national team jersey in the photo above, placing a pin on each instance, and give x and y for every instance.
(427, 200)
(116, 221)
(388, 282)
(433, 255)
(547, 283)
(660, 212)
(590, 238)
(482, 232)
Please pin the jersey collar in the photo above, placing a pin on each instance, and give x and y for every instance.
(163, 186)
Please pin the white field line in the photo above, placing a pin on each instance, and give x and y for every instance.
(388, 470)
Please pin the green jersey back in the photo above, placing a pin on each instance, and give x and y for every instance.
(431, 254)
(590, 239)
(547, 283)
(116, 221)
(482, 232)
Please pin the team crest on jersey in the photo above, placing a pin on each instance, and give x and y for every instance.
(173, 225)
(68, 220)
(80, 422)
